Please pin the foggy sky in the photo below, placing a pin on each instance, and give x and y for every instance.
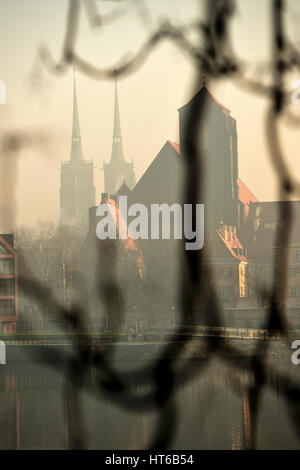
(148, 99)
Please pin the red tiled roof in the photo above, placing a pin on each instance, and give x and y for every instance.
(219, 102)
(245, 195)
(128, 242)
(175, 146)
(231, 245)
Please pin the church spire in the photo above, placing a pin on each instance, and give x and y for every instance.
(76, 152)
(117, 147)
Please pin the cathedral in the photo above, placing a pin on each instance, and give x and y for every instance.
(147, 275)
(227, 201)
(221, 189)
(240, 231)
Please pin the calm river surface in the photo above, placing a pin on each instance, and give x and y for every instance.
(213, 409)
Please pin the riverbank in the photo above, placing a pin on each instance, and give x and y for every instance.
(45, 350)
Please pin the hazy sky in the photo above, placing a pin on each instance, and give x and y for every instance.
(149, 99)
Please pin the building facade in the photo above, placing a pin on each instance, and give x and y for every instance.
(227, 203)
(9, 305)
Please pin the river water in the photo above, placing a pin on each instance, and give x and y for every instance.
(213, 412)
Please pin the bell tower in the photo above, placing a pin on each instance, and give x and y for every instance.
(217, 141)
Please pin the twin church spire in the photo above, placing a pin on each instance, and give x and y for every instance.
(117, 155)
(77, 191)
(117, 171)
(76, 150)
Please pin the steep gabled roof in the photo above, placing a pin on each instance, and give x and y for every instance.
(245, 195)
(124, 190)
(162, 179)
(76, 151)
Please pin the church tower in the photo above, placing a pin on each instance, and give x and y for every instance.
(77, 191)
(117, 171)
(217, 140)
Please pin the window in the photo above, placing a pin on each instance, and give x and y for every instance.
(278, 255)
(7, 307)
(295, 255)
(230, 271)
(6, 266)
(230, 292)
(292, 272)
(3, 250)
(293, 291)
(203, 136)
(227, 292)
(7, 287)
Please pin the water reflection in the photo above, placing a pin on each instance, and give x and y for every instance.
(214, 413)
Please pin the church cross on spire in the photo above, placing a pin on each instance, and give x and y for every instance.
(117, 123)
(117, 147)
